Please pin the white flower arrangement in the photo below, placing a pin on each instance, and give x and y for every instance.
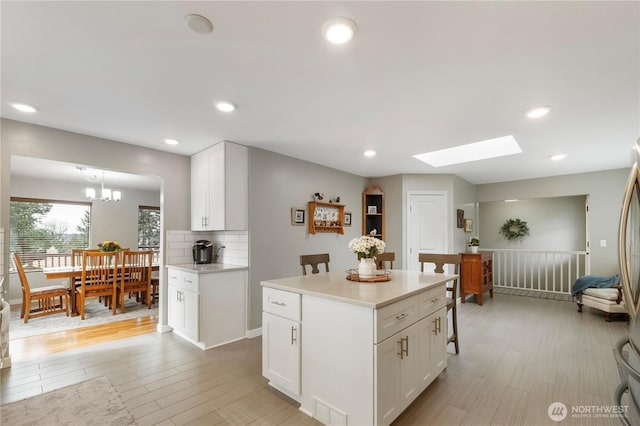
(367, 247)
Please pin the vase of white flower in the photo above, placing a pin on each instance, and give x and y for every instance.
(367, 267)
(367, 248)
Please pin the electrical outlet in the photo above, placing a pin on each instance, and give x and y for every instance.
(603, 243)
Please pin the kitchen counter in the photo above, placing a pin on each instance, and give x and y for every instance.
(335, 286)
(353, 352)
(207, 268)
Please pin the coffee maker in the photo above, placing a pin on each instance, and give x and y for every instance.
(202, 251)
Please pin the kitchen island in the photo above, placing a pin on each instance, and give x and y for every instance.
(207, 302)
(351, 352)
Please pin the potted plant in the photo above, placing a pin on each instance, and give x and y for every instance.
(474, 243)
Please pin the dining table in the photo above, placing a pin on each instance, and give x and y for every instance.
(72, 273)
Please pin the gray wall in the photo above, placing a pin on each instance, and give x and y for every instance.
(28, 140)
(604, 189)
(277, 183)
(557, 223)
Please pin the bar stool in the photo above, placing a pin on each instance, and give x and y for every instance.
(452, 286)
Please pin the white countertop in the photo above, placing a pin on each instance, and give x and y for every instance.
(207, 268)
(334, 285)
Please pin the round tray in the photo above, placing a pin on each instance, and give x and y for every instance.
(382, 275)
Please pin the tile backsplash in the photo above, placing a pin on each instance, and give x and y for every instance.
(236, 251)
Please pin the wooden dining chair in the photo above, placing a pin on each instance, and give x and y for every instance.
(439, 260)
(99, 278)
(50, 298)
(382, 258)
(314, 260)
(135, 276)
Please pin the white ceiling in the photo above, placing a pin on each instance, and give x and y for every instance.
(418, 76)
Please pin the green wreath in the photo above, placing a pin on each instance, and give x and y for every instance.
(514, 229)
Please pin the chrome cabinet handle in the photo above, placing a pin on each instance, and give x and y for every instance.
(278, 303)
(404, 350)
(294, 335)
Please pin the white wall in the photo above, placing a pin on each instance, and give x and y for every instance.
(18, 138)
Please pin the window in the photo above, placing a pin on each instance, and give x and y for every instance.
(43, 232)
(149, 228)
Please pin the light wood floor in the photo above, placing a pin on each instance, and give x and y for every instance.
(518, 355)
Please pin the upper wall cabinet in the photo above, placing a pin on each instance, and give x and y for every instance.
(219, 188)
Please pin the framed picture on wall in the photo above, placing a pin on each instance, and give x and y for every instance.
(297, 216)
(460, 218)
(347, 218)
(468, 225)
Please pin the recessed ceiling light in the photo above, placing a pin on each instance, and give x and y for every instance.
(171, 141)
(539, 111)
(226, 106)
(557, 157)
(369, 153)
(339, 30)
(199, 24)
(23, 107)
(491, 148)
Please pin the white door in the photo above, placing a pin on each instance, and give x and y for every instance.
(427, 226)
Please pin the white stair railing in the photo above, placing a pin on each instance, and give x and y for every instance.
(538, 270)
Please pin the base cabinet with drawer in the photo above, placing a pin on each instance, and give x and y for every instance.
(208, 309)
(407, 363)
(353, 364)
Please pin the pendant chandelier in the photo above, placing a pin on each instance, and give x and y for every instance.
(106, 194)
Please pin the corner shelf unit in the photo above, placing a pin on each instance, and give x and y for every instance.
(326, 217)
(373, 197)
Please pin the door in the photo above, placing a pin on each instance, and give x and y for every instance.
(427, 226)
(191, 314)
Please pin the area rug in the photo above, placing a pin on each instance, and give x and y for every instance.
(95, 313)
(533, 293)
(94, 402)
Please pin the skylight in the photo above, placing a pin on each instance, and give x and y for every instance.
(491, 148)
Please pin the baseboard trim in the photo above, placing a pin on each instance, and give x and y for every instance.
(256, 332)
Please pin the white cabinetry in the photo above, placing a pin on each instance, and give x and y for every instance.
(183, 304)
(408, 360)
(208, 309)
(281, 336)
(219, 188)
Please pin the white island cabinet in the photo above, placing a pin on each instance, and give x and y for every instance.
(207, 303)
(367, 350)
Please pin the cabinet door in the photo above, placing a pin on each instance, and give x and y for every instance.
(191, 313)
(200, 191)
(432, 350)
(281, 352)
(217, 201)
(387, 380)
(174, 317)
(409, 365)
(438, 343)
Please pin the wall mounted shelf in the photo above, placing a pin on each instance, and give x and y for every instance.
(326, 217)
